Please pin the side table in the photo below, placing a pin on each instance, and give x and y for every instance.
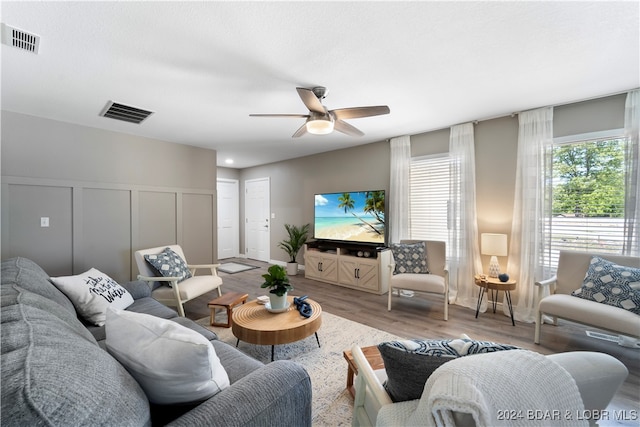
(373, 357)
(226, 301)
(493, 283)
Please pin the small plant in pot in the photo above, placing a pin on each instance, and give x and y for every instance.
(292, 245)
(277, 281)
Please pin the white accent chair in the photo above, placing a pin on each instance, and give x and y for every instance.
(572, 268)
(597, 376)
(436, 282)
(178, 293)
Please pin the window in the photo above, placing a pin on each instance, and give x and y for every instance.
(429, 196)
(588, 195)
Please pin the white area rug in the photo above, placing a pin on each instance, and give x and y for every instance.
(235, 267)
(332, 404)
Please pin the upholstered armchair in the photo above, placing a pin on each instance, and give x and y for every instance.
(171, 288)
(476, 391)
(555, 299)
(426, 271)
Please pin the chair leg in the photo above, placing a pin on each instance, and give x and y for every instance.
(219, 291)
(536, 337)
(446, 307)
(389, 299)
(180, 309)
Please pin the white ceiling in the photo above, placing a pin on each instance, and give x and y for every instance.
(203, 67)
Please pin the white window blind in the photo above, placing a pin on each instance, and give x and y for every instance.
(429, 196)
(588, 197)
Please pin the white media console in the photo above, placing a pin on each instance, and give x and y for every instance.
(351, 265)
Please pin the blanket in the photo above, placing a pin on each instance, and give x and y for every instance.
(514, 388)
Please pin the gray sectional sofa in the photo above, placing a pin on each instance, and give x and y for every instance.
(56, 371)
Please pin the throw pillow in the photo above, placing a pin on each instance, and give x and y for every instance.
(609, 283)
(410, 258)
(169, 264)
(92, 293)
(410, 363)
(172, 363)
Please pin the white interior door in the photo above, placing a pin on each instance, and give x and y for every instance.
(228, 218)
(257, 224)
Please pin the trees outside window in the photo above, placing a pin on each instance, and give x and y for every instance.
(588, 196)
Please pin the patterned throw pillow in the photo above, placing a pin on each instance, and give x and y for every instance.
(410, 363)
(410, 258)
(611, 284)
(169, 264)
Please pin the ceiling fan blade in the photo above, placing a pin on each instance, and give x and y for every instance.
(310, 100)
(304, 116)
(357, 112)
(301, 131)
(346, 128)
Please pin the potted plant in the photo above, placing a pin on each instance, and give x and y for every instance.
(297, 238)
(277, 281)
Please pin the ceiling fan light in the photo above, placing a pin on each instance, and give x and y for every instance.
(319, 126)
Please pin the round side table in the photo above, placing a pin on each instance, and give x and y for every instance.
(493, 283)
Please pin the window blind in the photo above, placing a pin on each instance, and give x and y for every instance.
(429, 196)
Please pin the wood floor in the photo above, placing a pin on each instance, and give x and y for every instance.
(422, 317)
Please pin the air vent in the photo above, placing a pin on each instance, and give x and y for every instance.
(126, 113)
(21, 39)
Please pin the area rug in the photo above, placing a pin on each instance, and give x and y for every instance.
(332, 403)
(235, 267)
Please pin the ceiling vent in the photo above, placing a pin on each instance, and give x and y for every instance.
(126, 113)
(23, 40)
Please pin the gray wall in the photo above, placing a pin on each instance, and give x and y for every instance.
(294, 182)
(106, 194)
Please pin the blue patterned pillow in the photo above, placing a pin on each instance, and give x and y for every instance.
(410, 258)
(169, 264)
(410, 363)
(611, 284)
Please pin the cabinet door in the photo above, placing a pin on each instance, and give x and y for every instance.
(321, 267)
(358, 273)
(347, 273)
(368, 276)
(312, 265)
(329, 267)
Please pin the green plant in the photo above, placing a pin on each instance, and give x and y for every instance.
(277, 280)
(297, 238)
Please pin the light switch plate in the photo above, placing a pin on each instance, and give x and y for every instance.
(44, 221)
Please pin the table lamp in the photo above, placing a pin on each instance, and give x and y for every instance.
(494, 245)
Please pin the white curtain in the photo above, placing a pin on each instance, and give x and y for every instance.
(463, 249)
(632, 176)
(399, 188)
(531, 207)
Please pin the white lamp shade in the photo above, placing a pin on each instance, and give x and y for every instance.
(493, 244)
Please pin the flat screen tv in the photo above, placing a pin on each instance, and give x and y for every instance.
(356, 216)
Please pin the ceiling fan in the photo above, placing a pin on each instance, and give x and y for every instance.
(321, 121)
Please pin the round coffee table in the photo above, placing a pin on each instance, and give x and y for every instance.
(252, 323)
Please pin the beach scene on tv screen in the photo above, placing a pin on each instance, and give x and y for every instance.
(353, 216)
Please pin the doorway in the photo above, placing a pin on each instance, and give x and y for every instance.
(257, 223)
(228, 218)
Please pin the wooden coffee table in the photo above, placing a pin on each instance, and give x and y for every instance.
(252, 323)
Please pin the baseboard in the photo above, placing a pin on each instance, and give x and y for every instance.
(284, 264)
